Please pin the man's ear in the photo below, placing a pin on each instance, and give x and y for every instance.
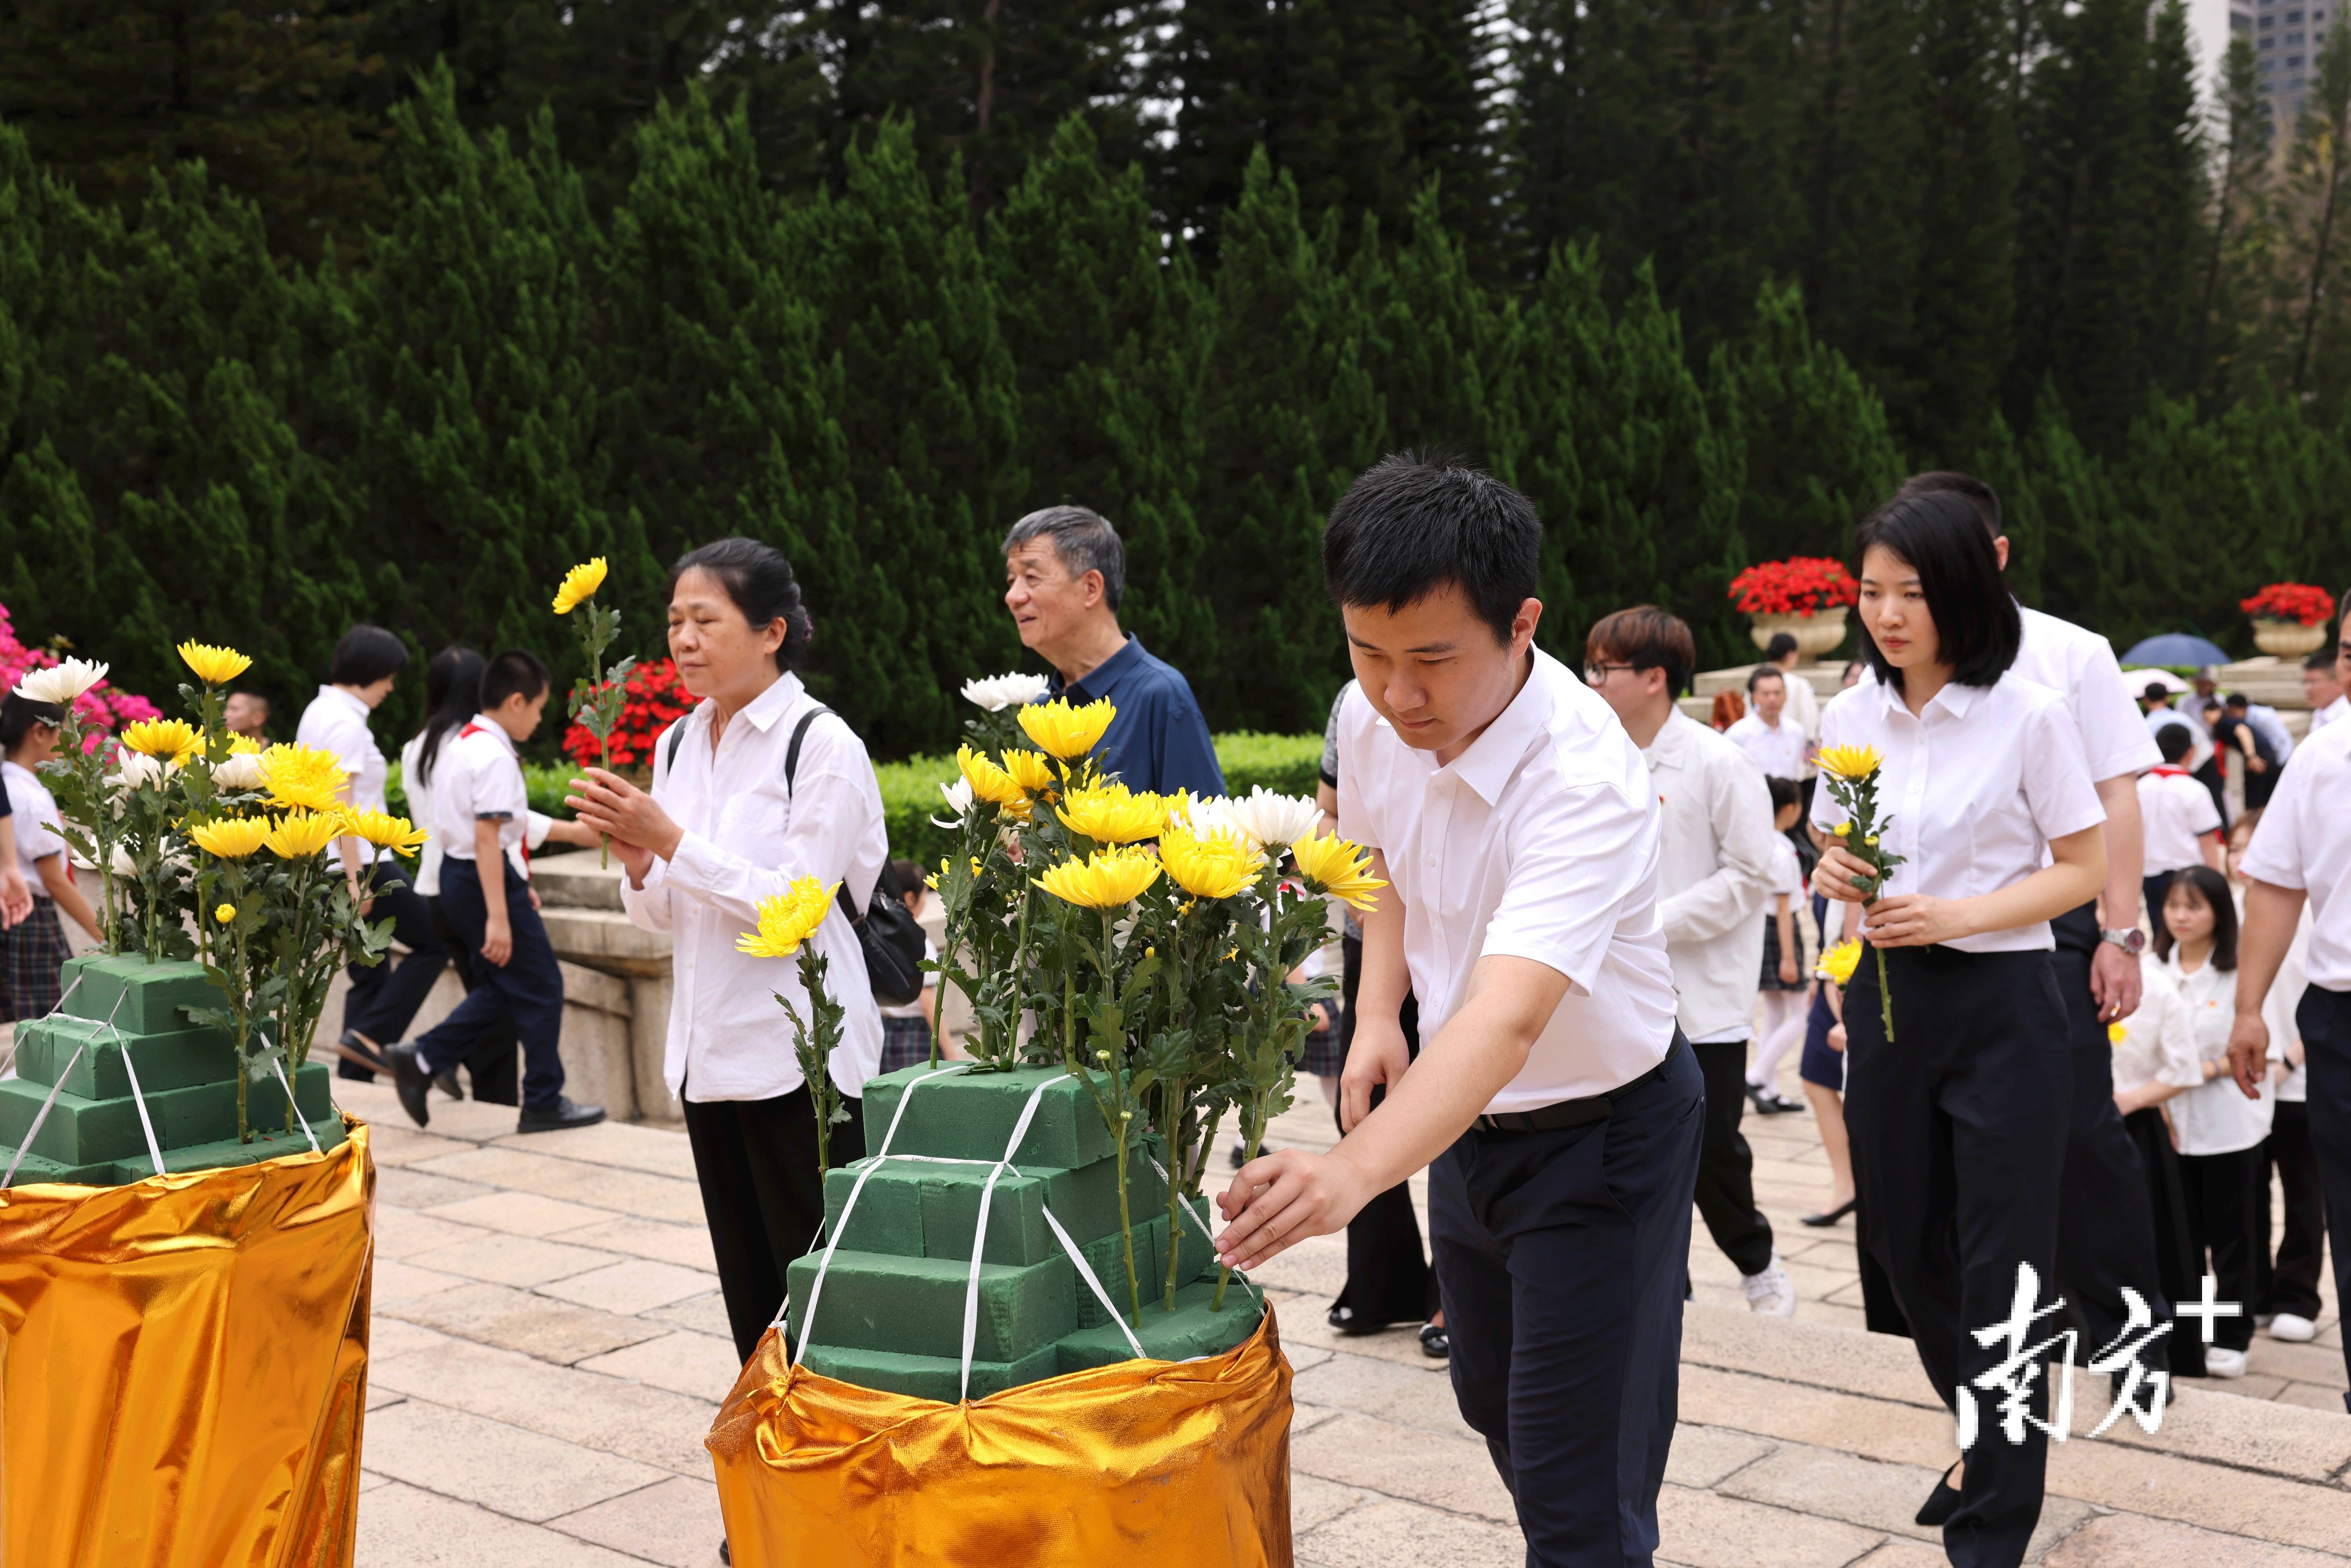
(1091, 585)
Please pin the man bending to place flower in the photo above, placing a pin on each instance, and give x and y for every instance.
(1554, 1101)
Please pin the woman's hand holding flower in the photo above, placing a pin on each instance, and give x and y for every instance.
(640, 831)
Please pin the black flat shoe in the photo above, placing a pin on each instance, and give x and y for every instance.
(1942, 1502)
(1831, 1216)
(1770, 1101)
(1434, 1343)
(446, 1081)
(409, 1077)
(724, 1555)
(555, 1118)
(1342, 1318)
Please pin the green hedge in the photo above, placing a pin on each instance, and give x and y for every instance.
(910, 790)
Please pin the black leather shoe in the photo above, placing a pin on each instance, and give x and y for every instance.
(1830, 1215)
(446, 1081)
(408, 1076)
(1435, 1343)
(556, 1117)
(724, 1555)
(1770, 1101)
(1342, 1318)
(1942, 1502)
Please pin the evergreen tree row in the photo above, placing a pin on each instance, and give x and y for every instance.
(198, 440)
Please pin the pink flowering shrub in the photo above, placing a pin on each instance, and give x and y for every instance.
(102, 708)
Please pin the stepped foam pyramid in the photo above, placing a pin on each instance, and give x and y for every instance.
(891, 1314)
(187, 1074)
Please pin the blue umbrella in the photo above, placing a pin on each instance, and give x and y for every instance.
(2177, 648)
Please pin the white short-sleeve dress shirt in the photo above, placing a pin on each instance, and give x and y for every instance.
(1976, 787)
(1716, 874)
(2303, 839)
(2079, 666)
(2158, 1045)
(1777, 750)
(39, 827)
(1539, 842)
(2173, 812)
(336, 721)
(2215, 1117)
(746, 838)
(478, 779)
(417, 784)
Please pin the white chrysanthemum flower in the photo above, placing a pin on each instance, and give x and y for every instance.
(959, 794)
(997, 693)
(242, 771)
(1206, 817)
(139, 771)
(123, 864)
(62, 684)
(1270, 820)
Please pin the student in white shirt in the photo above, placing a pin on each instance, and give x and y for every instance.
(1785, 978)
(722, 829)
(479, 804)
(2301, 851)
(1959, 1142)
(1803, 703)
(2154, 1062)
(2105, 1232)
(383, 997)
(2181, 824)
(2322, 689)
(1517, 827)
(1715, 877)
(1774, 741)
(35, 947)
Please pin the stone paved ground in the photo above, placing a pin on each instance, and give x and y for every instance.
(549, 1348)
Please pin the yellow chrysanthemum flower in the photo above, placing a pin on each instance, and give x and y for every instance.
(1837, 965)
(1066, 732)
(992, 783)
(1216, 866)
(1338, 867)
(1029, 770)
(173, 740)
(1843, 829)
(302, 777)
(298, 835)
(384, 831)
(1108, 879)
(1112, 814)
(215, 667)
(1850, 761)
(224, 914)
(578, 584)
(243, 746)
(231, 838)
(2116, 1033)
(789, 919)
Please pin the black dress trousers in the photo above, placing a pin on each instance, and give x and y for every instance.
(1726, 1165)
(2229, 1196)
(2324, 1020)
(1388, 1277)
(1958, 1128)
(756, 1162)
(2290, 1284)
(2179, 1249)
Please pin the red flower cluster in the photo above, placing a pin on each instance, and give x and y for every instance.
(1800, 585)
(2295, 602)
(102, 708)
(654, 701)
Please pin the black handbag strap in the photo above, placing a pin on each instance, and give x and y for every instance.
(791, 769)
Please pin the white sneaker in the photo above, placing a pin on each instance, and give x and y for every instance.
(2219, 1363)
(1770, 1292)
(2292, 1327)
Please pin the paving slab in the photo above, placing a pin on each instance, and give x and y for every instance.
(519, 1213)
(649, 1149)
(687, 1246)
(631, 1285)
(405, 1187)
(601, 1186)
(1389, 1534)
(2128, 1540)
(703, 1314)
(1706, 1529)
(684, 1362)
(674, 1522)
(492, 1465)
(410, 1527)
(610, 1415)
(518, 1320)
(1455, 1474)
(1405, 1395)
(520, 1261)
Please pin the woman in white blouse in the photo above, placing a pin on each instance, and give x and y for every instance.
(722, 829)
(1959, 1121)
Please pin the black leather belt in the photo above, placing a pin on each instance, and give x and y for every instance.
(1580, 1113)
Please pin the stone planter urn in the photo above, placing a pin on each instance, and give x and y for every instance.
(2288, 639)
(1816, 634)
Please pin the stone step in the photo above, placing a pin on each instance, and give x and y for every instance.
(573, 880)
(971, 1115)
(604, 939)
(1705, 682)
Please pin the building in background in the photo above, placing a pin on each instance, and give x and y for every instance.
(2287, 35)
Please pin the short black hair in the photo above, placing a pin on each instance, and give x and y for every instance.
(758, 580)
(2175, 741)
(1084, 541)
(18, 715)
(2213, 889)
(1411, 524)
(1762, 672)
(2156, 692)
(2321, 660)
(2238, 699)
(514, 673)
(1783, 643)
(1647, 638)
(365, 656)
(1967, 486)
(1939, 535)
(1785, 792)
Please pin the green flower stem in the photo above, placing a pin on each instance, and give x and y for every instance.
(1173, 1114)
(1126, 1224)
(1885, 998)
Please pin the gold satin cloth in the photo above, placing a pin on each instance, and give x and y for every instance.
(183, 1366)
(1147, 1463)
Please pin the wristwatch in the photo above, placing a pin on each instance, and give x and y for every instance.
(2133, 941)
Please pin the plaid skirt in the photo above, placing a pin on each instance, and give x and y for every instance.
(36, 952)
(1772, 981)
(1325, 1056)
(905, 1042)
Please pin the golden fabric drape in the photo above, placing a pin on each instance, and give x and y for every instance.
(1146, 1464)
(183, 1366)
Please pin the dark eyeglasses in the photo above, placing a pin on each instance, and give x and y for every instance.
(1595, 674)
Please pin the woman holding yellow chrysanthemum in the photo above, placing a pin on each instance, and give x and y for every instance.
(1971, 784)
(758, 790)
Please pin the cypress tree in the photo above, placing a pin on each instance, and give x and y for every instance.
(2314, 249)
(2226, 319)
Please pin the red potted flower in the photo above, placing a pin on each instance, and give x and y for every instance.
(1804, 596)
(653, 699)
(2290, 618)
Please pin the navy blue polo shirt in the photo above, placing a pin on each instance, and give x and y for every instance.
(1158, 741)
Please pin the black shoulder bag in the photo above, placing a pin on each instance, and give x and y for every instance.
(887, 933)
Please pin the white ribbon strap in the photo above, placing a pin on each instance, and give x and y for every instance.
(1093, 1283)
(815, 1286)
(1201, 1226)
(42, 1115)
(53, 1012)
(280, 1068)
(980, 1236)
(155, 1149)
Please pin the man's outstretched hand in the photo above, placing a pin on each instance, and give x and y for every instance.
(1279, 1199)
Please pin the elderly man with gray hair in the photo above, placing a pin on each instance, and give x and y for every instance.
(1065, 573)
